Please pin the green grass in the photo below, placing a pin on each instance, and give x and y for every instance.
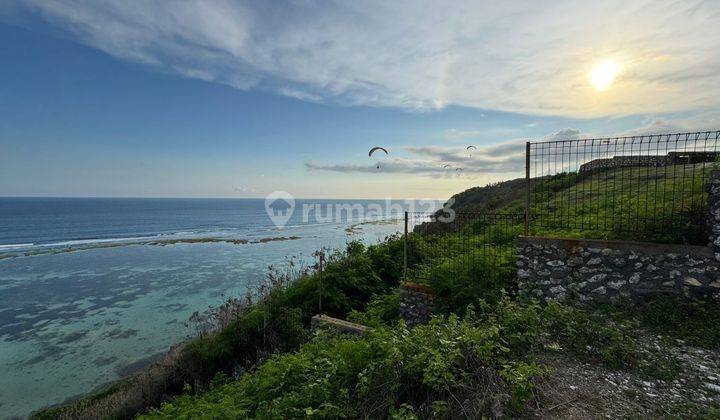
(651, 204)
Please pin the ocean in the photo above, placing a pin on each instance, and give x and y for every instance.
(92, 288)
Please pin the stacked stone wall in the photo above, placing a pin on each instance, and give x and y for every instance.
(672, 158)
(596, 271)
(417, 304)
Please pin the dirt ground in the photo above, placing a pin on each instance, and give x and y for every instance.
(577, 390)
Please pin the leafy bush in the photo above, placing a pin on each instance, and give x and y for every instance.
(278, 323)
(448, 368)
(382, 310)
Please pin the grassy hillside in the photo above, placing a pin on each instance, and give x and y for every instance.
(500, 196)
(651, 204)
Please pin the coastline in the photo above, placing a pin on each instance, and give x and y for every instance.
(154, 242)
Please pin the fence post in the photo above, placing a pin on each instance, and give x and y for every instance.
(320, 267)
(405, 248)
(527, 188)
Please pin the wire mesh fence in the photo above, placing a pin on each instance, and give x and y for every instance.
(648, 187)
(466, 247)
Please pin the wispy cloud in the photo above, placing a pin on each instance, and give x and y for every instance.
(526, 56)
(507, 157)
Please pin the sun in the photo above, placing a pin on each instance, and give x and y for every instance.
(603, 74)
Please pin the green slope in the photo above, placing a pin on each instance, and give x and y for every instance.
(665, 204)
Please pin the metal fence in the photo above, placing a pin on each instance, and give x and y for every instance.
(641, 187)
(469, 245)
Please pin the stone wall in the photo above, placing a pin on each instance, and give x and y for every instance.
(597, 271)
(417, 304)
(672, 158)
(713, 203)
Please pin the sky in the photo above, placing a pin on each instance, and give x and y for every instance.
(238, 99)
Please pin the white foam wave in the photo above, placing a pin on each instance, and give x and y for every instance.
(13, 246)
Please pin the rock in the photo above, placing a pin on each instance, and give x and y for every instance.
(597, 277)
(652, 267)
(715, 284)
(619, 262)
(557, 289)
(635, 278)
(692, 262)
(524, 274)
(617, 284)
(674, 274)
(606, 251)
(575, 262)
(555, 263)
(543, 273)
(599, 291)
(594, 261)
(712, 387)
(690, 281)
(586, 270)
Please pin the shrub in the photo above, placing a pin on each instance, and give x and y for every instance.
(382, 310)
(448, 368)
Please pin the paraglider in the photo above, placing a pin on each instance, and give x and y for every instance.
(375, 149)
(469, 150)
(458, 171)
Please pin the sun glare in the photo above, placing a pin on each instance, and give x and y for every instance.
(604, 74)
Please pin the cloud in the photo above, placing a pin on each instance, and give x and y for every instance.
(507, 157)
(524, 56)
(454, 133)
(564, 134)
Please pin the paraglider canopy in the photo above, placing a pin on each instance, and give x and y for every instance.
(471, 147)
(447, 165)
(375, 149)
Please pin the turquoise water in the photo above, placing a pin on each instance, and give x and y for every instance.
(73, 321)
